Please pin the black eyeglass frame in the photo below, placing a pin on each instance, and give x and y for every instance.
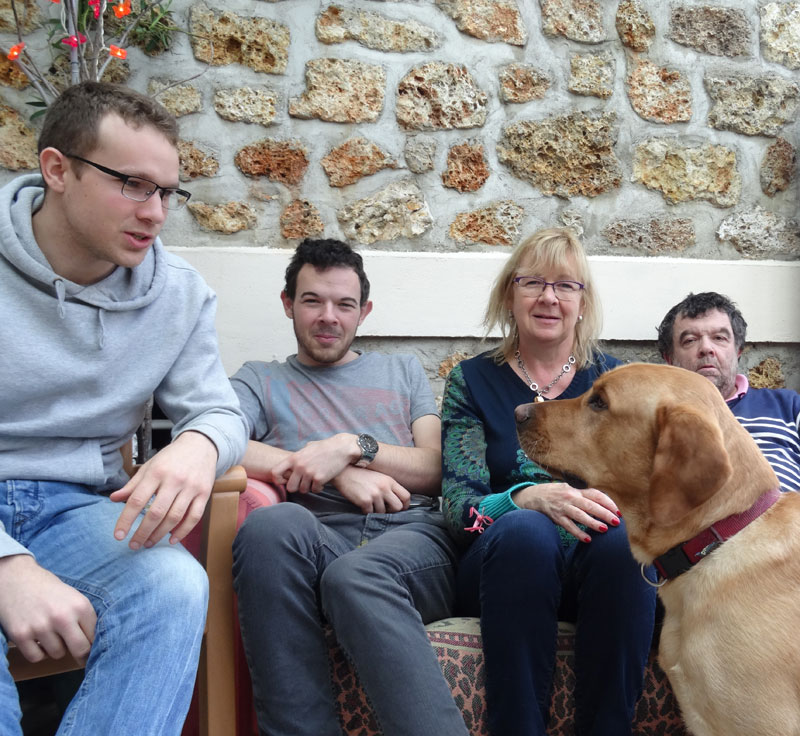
(125, 178)
(517, 281)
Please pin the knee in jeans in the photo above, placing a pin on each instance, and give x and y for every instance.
(523, 535)
(185, 586)
(271, 530)
(345, 577)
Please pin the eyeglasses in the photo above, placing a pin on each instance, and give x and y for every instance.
(140, 190)
(564, 290)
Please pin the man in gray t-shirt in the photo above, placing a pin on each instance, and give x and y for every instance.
(355, 440)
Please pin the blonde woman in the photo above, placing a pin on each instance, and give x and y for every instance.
(539, 550)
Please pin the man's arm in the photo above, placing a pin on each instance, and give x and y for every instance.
(417, 468)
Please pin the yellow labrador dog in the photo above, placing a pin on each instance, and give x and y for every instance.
(700, 501)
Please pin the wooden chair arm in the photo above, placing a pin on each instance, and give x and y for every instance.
(235, 480)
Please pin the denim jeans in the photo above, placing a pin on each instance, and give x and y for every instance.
(378, 579)
(150, 607)
(520, 580)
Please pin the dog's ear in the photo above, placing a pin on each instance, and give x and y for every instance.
(690, 463)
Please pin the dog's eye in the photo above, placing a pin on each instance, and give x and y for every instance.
(597, 402)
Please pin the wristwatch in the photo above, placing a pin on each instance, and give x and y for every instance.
(369, 448)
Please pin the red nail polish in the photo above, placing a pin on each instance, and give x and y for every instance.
(615, 522)
(603, 528)
(587, 539)
(619, 513)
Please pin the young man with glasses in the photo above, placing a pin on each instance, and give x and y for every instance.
(360, 543)
(97, 317)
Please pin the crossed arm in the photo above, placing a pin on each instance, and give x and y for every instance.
(385, 486)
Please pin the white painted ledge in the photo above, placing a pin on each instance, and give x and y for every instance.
(444, 295)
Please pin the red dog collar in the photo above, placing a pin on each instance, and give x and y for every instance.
(683, 556)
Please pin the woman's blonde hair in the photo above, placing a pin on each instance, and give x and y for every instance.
(545, 250)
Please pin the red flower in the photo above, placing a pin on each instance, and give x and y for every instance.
(16, 50)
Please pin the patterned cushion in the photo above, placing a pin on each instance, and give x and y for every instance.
(457, 642)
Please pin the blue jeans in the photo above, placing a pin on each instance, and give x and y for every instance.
(520, 580)
(378, 579)
(150, 607)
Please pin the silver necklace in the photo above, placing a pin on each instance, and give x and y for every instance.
(566, 368)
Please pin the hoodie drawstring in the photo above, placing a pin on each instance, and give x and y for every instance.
(102, 327)
(61, 295)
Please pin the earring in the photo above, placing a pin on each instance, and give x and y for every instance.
(580, 318)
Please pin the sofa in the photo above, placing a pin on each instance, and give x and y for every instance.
(457, 642)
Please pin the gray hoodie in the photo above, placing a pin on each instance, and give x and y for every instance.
(78, 363)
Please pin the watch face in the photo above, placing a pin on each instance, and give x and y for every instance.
(368, 444)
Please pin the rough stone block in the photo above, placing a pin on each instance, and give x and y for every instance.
(181, 99)
(467, 169)
(27, 13)
(780, 33)
(228, 218)
(522, 83)
(419, 153)
(496, 224)
(282, 161)
(759, 233)
(656, 236)
(489, 20)
(566, 156)
(301, 219)
(354, 159)
(712, 30)
(396, 211)
(341, 91)
(778, 167)
(336, 24)
(659, 94)
(767, 374)
(195, 162)
(11, 75)
(634, 25)
(246, 105)
(752, 105)
(17, 142)
(592, 74)
(683, 173)
(439, 96)
(578, 20)
(258, 43)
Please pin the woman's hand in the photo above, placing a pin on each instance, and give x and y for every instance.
(568, 507)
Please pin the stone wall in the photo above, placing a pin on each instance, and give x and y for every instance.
(652, 128)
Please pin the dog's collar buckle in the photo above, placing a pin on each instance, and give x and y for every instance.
(684, 556)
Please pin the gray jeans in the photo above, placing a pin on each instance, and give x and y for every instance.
(378, 579)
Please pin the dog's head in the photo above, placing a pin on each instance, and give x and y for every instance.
(659, 440)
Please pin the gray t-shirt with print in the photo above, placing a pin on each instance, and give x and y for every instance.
(288, 404)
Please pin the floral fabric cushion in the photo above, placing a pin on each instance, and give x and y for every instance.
(457, 642)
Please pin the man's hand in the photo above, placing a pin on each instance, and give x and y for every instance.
(180, 477)
(309, 469)
(371, 491)
(42, 615)
(568, 506)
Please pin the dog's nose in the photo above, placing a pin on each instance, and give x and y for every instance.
(522, 414)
